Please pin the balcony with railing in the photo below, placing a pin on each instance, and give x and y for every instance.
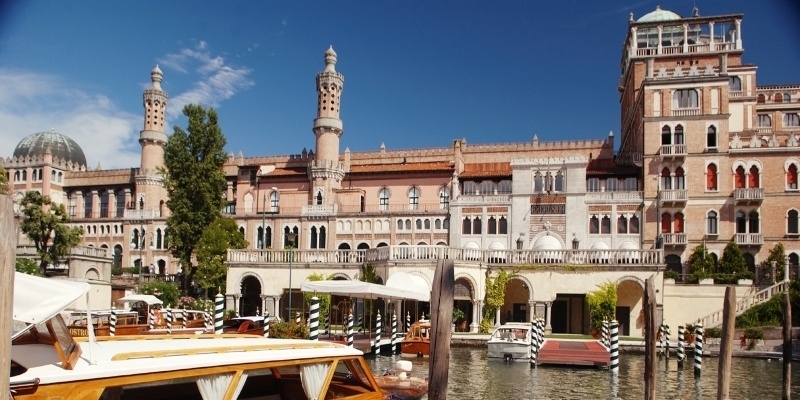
(686, 112)
(749, 239)
(672, 151)
(748, 195)
(632, 197)
(319, 209)
(635, 259)
(674, 239)
(142, 214)
(674, 196)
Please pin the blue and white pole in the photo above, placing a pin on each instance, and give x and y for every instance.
(112, 328)
(541, 332)
(376, 345)
(614, 365)
(394, 333)
(152, 321)
(408, 321)
(606, 339)
(266, 324)
(698, 350)
(219, 307)
(534, 342)
(313, 332)
(350, 330)
(681, 337)
(208, 323)
(169, 321)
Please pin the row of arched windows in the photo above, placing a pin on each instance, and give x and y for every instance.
(748, 178)
(494, 226)
(413, 194)
(36, 175)
(601, 225)
(750, 222)
(470, 188)
(676, 139)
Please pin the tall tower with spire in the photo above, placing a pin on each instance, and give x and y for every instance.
(326, 171)
(150, 191)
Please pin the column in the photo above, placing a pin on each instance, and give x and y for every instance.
(685, 38)
(476, 316)
(236, 299)
(711, 45)
(531, 310)
(263, 304)
(112, 203)
(127, 198)
(497, 317)
(660, 30)
(95, 204)
(547, 328)
(738, 24)
(79, 206)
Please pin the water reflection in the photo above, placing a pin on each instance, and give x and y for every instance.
(473, 376)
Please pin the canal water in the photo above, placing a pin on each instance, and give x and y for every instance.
(473, 376)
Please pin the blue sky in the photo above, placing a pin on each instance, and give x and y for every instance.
(417, 73)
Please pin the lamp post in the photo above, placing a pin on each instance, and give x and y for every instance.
(290, 237)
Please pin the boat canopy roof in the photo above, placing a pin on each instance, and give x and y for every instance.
(363, 290)
(147, 298)
(30, 307)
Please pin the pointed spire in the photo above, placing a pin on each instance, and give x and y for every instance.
(330, 60)
(156, 76)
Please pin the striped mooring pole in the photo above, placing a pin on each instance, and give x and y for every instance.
(266, 323)
(681, 337)
(614, 365)
(183, 320)
(534, 342)
(208, 323)
(313, 331)
(297, 318)
(360, 325)
(219, 307)
(169, 321)
(408, 321)
(152, 321)
(660, 343)
(605, 335)
(350, 330)
(112, 328)
(698, 350)
(376, 345)
(541, 332)
(394, 333)
(666, 341)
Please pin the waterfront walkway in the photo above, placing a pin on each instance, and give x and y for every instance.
(583, 353)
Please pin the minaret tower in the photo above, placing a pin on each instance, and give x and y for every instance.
(326, 170)
(149, 186)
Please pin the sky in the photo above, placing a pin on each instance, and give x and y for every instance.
(418, 74)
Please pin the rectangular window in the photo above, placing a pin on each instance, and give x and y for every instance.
(791, 120)
(594, 225)
(593, 185)
(611, 185)
(764, 121)
(685, 98)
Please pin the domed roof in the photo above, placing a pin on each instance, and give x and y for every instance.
(61, 147)
(659, 15)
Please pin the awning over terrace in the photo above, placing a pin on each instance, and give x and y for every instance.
(363, 290)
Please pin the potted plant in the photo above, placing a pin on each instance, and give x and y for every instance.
(457, 315)
(688, 335)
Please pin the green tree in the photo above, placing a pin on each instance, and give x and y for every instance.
(27, 266)
(777, 254)
(3, 181)
(45, 224)
(732, 260)
(166, 291)
(602, 304)
(212, 252)
(495, 296)
(701, 264)
(324, 299)
(194, 180)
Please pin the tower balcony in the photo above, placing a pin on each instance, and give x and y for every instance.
(748, 195)
(141, 214)
(674, 239)
(319, 209)
(674, 197)
(749, 239)
(672, 151)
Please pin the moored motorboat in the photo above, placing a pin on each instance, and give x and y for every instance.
(417, 342)
(399, 385)
(511, 342)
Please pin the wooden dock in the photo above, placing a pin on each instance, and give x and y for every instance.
(573, 353)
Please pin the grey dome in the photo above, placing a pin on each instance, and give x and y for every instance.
(61, 147)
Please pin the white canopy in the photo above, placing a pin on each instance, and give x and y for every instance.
(147, 298)
(406, 281)
(38, 299)
(363, 290)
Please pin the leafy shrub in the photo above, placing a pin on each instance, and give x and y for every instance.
(745, 275)
(288, 330)
(697, 276)
(672, 274)
(713, 333)
(230, 314)
(724, 279)
(754, 333)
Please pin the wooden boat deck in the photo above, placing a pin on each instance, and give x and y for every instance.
(573, 353)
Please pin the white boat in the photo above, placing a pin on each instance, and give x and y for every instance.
(48, 363)
(511, 342)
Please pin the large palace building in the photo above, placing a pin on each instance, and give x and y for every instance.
(705, 156)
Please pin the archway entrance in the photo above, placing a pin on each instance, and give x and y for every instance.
(629, 306)
(515, 307)
(250, 302)
(463, 294)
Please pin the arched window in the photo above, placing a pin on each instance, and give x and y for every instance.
(738, 178)
(711, 177)
(711, 137)
(87, 205)
(476, 226)
(399, 224)
(764, 121)
(778, 98)
(680, 179)
(319, 198)
(383, 199)
(791, 120)
(419, 224)
(792, 222)
(633, 226)
(684, 98)
(427, 224)
(605, 225)
(666, 220)
(791, 177)
(677, 223)
(504, 187)
(466, 226)
(753, 180)
(408, 224)
(594, 225)
(469, 188)
(437, 224)
(538, 183)
(679, 134)
(313, 237)
(666, 135)
(492, 228)
(741, 222)
(622, 224)
(712, 224)
(761, 99)
(502, 226)
(753, 222)
(413, 198)
(488, 187)
(559, 181)
(322, 237)
(734, 84)
(666, 179)
(444, 197)
(274, 200)
(787, 98)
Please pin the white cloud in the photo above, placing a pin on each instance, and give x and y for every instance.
(218, 81)
(31, 102)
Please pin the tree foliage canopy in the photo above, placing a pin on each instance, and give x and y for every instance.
(602, 304)
(212, 252)
(324, 298)
(27, 266)
(495, 297)
(732, 260)
(45, 224)
(701, 264)
(194, 180)
(166, 291)
(777, 254)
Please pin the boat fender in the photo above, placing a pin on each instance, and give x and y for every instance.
(403, 366)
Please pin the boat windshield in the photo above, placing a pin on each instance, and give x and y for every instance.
(511, 334)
